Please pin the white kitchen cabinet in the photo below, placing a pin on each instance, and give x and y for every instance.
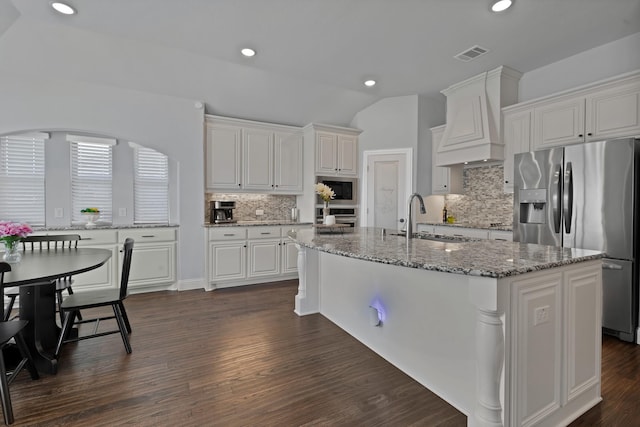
(475, 233)
(248, 255)
(517, 139)
(557, 325)
(102, 277)
(223, 152)
(153, 261)
(245, 156)
(506, 236)
(444, 180)
(336, 149)
(425, 228)
(600, 111)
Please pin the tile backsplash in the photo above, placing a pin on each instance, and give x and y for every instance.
(275, 207)
(484, 200)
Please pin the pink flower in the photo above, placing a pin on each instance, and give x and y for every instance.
(13, 230)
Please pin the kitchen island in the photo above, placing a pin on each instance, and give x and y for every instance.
(508, 333)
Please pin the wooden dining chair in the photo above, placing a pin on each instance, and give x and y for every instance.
(12, 329)
(46, 243)
(72, 305)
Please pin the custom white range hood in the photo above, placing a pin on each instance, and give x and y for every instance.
(473, 128)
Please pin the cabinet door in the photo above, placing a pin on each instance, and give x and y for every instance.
(614, 113)
(475, 233)
(224, 145)
(517, 139)
(227, 261)
(102, 277)
(501, 235)
(444, 180)
(152, 264)
(289, 257)
(288, 163)
(264, 258)
(347, 155)
(326, 153)
(257, 162)
(583, 307)
(558, 123)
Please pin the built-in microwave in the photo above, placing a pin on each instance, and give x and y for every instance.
(346, 190)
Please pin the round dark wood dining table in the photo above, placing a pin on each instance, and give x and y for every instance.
(34, 275)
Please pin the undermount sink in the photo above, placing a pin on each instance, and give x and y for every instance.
(437, 237)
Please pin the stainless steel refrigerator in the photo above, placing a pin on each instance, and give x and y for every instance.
(586, 196)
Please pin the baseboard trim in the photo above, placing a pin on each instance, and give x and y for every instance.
(191, 284)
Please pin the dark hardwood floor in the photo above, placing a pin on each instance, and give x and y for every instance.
(241, 357)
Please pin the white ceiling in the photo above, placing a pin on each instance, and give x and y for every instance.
(313, 55)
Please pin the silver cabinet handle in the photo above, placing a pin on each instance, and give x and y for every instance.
(86, 238)
(610, 266)
(229, 234)
(265, 232)
(150, 235)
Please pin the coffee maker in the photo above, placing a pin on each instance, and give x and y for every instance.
(221, 211)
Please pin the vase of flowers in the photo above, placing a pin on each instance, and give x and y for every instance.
(326, 193)
(10, 234)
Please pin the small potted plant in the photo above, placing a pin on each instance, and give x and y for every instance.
(10, 234)
(91, 214)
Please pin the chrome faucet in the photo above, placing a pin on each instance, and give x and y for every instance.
(423, 210)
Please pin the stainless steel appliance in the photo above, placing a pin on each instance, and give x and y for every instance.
(586, 196)
(343, 215)
(221, 211)
(346, 190)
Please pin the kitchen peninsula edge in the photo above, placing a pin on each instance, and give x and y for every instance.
(508, 333)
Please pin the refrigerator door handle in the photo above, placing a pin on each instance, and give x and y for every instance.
(567, 198)
(611, 266)
(556, 200)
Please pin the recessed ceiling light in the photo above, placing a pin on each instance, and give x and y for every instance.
(501, 5)
(63, 8)
(370, 83)
(248, 52)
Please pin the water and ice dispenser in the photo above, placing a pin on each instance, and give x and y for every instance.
(533, 206)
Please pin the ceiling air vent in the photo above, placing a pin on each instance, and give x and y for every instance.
(471, 53)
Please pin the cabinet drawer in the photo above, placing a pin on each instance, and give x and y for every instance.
(95, 237)
(475, 233)
(143, 235)
(228, 233)
(264, 232)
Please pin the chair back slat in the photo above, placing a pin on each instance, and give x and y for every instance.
(4, 267)
(52, 241)
(126, 266)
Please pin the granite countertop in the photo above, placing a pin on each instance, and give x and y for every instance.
(475, 257)
(480, 225)
(102, 227)
(257, 223)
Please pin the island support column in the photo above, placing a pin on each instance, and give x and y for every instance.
(490, 352)
(308, 297)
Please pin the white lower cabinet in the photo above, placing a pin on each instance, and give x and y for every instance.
(475, 233)
(105, 276)
(247, 255)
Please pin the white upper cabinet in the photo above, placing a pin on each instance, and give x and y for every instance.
(444, 180)
(517, 139)
(600, 111)
(224, 156)
(252, 156)
(336, 149)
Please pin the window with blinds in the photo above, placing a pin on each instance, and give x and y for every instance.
(22, 178)
(151, 186)
(91, 176)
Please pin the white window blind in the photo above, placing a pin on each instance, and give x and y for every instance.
(22, 178)
(91, 176)
(151, 186)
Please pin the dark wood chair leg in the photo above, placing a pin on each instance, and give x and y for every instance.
(69, 318)
(9, 307)
(70, 291)
(7, 410)
(124, 316)
(122, 327)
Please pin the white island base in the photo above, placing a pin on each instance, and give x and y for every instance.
(521, 350)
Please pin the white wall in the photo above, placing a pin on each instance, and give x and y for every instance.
(170, 125)
(611, 59)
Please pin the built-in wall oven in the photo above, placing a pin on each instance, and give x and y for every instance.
(343, 215)
(346, 190)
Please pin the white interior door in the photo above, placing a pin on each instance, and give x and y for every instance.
(386, 190)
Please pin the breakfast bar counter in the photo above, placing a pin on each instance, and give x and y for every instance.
(508, 333)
